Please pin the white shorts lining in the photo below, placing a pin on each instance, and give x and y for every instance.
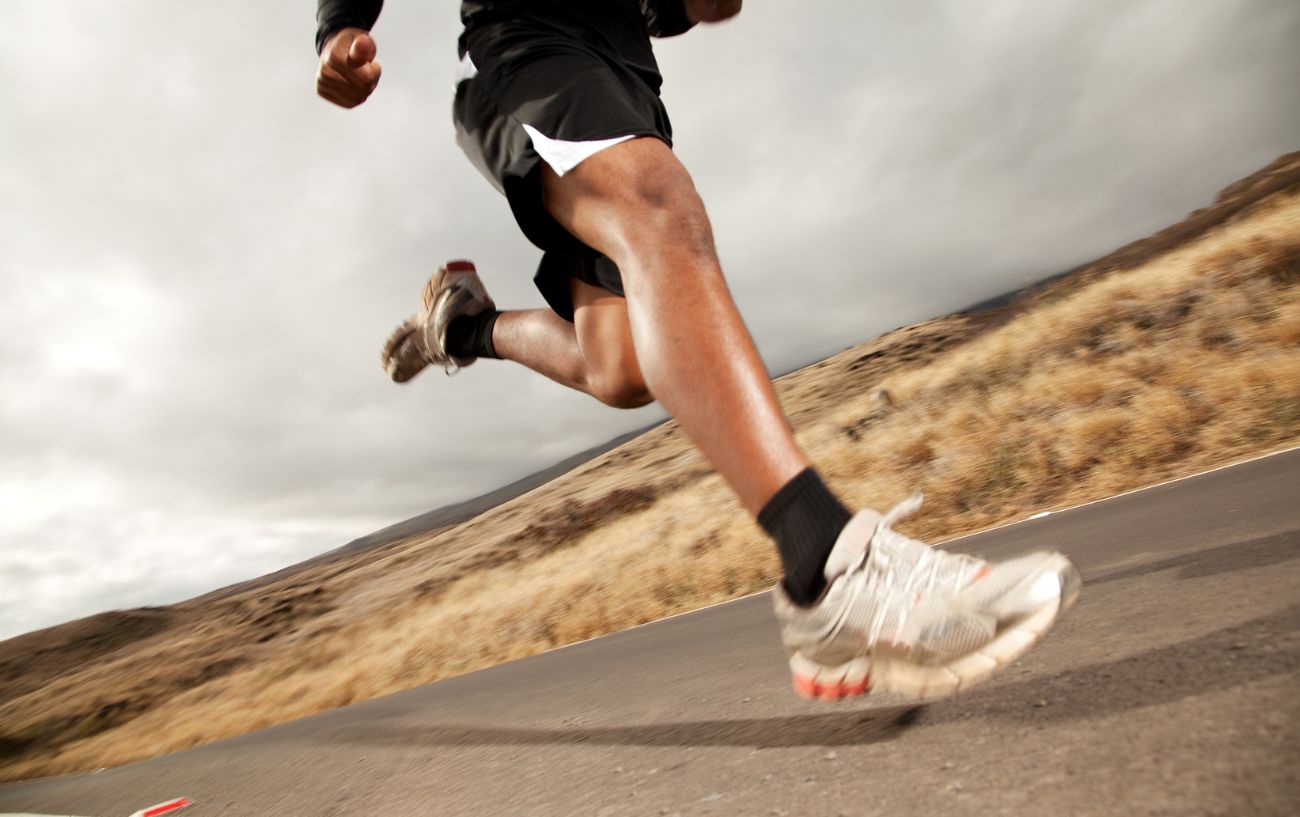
(466, 70)
(564, 156)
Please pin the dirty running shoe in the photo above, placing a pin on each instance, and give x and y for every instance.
(454, 290)
(910, 619)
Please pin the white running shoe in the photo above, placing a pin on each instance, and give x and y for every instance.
(454, 290)
(910, 619)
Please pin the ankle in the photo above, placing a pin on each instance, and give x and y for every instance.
(805, 519)
(470, 336)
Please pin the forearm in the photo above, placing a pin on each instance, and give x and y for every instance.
(335, 15)
(711, 11)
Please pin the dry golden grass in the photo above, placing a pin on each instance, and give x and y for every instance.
(1098, 385)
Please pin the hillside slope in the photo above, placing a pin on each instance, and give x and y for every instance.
(1170, 355)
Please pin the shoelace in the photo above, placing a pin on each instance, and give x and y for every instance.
(885, 533)
(923, 565)
(449, 366)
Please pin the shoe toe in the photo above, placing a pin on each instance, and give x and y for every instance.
(1025, 585)
(401, 356)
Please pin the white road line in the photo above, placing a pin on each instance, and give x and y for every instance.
(949, 542)
(1133, 491)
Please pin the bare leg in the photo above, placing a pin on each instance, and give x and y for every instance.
(594, 354)
(636, 203)
(542, 341)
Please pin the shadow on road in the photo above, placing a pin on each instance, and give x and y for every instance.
(838, 728)
(1226, 658)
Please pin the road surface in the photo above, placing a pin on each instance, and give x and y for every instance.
(1172, 688)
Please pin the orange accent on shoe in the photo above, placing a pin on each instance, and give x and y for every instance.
(859, 689)
(984, 571)
(805, 687)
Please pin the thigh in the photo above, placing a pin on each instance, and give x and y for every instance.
(604, 332)
(626, 197)
(556, 272)
(531, 98)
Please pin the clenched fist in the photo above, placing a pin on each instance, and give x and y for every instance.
(348, 71)
(711, 11)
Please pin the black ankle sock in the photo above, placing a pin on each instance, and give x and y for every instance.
(805, 519)
(471, 335)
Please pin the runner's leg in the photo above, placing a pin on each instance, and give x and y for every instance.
(593, 354)
(605, 340)
(636, 203)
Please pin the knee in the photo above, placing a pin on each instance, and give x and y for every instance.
(671, 209)
(621, 387)
(659, 202)
(632, 199)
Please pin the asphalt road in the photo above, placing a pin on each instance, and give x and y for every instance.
(1172, 688)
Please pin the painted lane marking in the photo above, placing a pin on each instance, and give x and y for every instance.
(948, 542)
(164, 808)
(153, 811)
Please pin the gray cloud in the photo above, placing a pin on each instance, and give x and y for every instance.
(201, 259)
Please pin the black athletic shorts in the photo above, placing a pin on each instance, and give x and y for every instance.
(555, 82)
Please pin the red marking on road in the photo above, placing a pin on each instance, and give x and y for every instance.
(165, 808)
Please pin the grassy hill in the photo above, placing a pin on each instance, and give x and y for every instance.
(1166, 357)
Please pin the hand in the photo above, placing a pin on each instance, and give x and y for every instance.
(348, 71)
(711, 11)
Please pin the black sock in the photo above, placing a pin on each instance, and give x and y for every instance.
(805, 519)
(471, 335)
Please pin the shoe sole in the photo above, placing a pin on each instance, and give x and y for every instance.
(927, 682)
(401, 356)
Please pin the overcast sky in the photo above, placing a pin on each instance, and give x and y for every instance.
(199, 259)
